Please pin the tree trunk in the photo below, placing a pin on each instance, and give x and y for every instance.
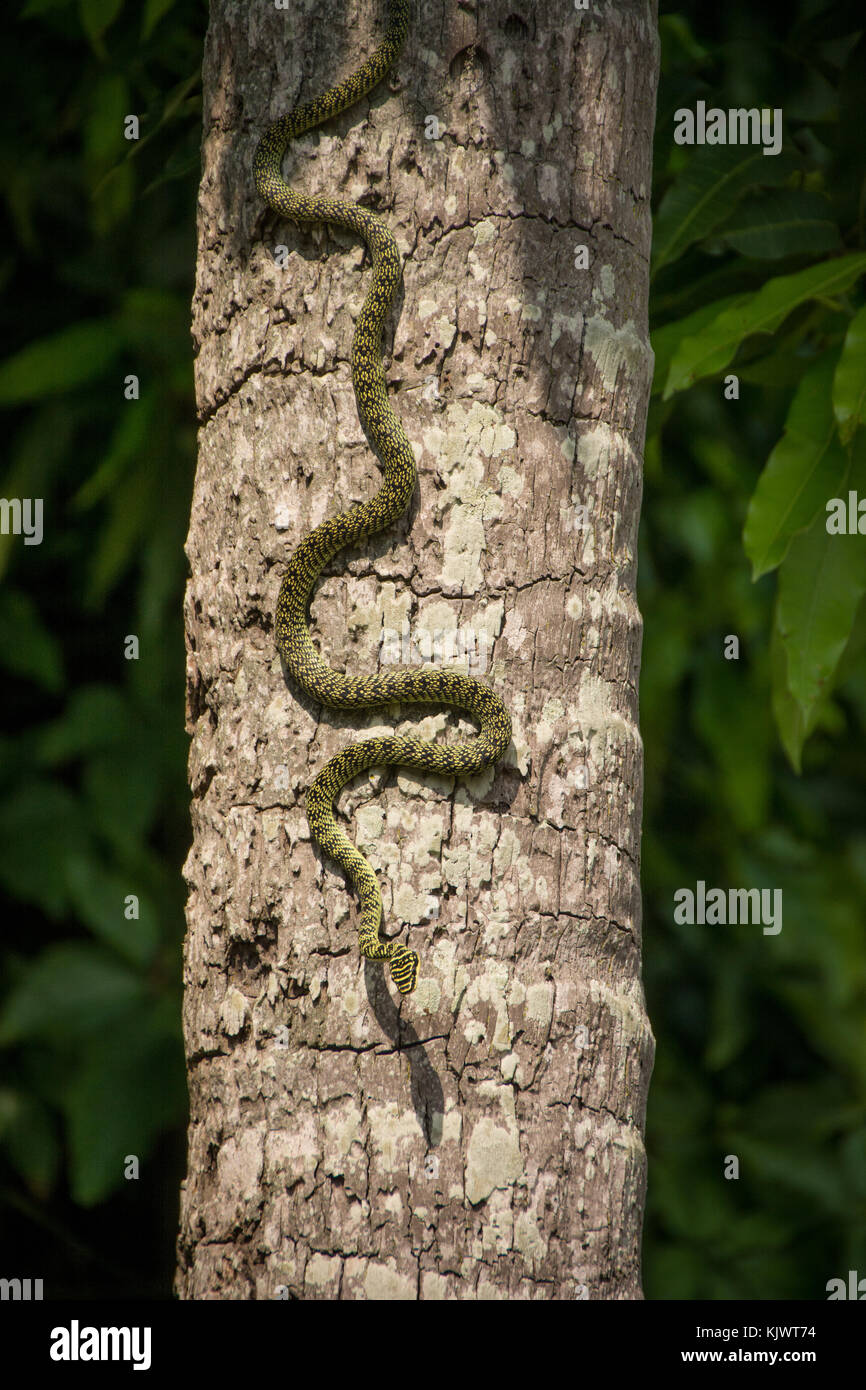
(481, 1138)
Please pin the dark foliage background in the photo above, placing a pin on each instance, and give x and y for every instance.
(755, 767)
(98, 276)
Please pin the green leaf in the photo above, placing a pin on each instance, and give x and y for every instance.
(112, 198)
(667, 339)
(676, 293)
(853, 1154)
(108, 102)
(782, 222)
(702, 197)
(710, 353)
(805, 468)
(849, 385)
(70, 991)
(153, 13)
(27, 648)
(730, 1029)
(37, 7)
(71, 358)
(131, 511)
(99, 897)
(123, 807)
(40, 823)
(743, 783)
(120, 1099)
(852, 662)
(178, 166)
(793, 723)
(155, 321)
(96, 717)
(174, 101)
(98, 15)
(679, 46)
(810, 1174)
(781, 366)
(833, 21)
(29, 1138)
(821, 583)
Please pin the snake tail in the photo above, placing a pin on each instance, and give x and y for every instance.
(331, 688)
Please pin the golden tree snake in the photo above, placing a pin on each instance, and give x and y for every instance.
(332, 688)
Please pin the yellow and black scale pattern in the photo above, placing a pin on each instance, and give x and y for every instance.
(332, 688)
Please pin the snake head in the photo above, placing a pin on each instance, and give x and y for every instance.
(403, 965)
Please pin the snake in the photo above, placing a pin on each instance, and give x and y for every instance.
(299, 657)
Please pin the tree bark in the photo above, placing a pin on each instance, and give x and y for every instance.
(483, 1137)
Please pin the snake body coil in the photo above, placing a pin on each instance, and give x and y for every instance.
(329, 687)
